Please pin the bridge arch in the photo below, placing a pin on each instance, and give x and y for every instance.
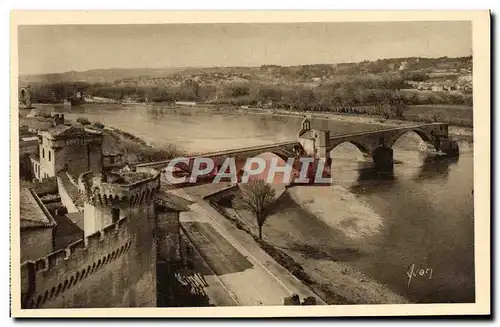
(427, 137)
(363, 149)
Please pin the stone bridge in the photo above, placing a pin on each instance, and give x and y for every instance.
(283, 150)
(376, 144)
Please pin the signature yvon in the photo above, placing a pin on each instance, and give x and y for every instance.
(414, 272)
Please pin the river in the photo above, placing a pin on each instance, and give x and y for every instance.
(427, 209)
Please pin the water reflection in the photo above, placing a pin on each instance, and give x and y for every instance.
(369, 172)
(436, 167)
(427, 167)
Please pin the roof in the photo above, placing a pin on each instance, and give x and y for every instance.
(29, 139)
(38, 124)
(71, 188)
(307, 135)
(70, 131)
(77, 218)
(32, 213)
(58, 130)
(66, 232)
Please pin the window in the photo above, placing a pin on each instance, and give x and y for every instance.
(115, 214)
(49, 155)
(43, 153)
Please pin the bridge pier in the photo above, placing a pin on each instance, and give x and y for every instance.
(383, 157)
(450, 147)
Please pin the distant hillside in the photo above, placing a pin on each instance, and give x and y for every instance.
(138, 75)
(98, 76)
(319, 87)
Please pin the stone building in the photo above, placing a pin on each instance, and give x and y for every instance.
(67, 147)
(28, 144)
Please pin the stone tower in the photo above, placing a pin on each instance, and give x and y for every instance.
(25, 97)
(109, 198)
(316, 142)
(69, 148)
(114, 265)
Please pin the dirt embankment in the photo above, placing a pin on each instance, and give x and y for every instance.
(136, 150)
(313, 234)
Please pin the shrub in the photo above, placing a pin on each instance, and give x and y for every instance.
(83, 121)
(98, 125)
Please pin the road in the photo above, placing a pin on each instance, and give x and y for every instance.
(224, 258)
(246, 271)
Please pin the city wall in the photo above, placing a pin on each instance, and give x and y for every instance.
(92, 272)
(167, 236)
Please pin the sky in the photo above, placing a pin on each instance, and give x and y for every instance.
(61, 48)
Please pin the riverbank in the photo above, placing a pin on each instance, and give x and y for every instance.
(303, 236)
(135, 150)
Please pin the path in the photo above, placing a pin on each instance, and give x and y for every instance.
(244, 268)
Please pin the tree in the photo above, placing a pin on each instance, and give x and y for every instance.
(398, 108)
(257, 197)
(189, 90)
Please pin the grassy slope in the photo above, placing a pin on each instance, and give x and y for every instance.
(458, 115)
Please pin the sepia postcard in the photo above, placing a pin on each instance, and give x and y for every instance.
(250, 164)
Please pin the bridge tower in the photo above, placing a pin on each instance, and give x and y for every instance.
(25, 97)
(315, 142)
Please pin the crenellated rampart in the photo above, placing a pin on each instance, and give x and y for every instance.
(103, 192)
(46, 279)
